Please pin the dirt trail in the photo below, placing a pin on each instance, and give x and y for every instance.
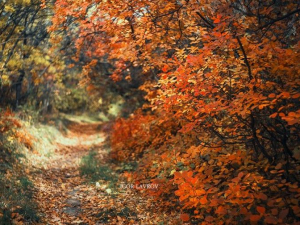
(65, 197)
(61, 191)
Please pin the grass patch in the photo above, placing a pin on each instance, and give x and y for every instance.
(16, 200)
(91, 167)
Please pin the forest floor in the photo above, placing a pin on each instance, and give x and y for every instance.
(77, 184)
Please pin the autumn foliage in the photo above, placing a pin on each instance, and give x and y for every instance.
(220, 131)
(11, 131)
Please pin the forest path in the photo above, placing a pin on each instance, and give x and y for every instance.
(66, 197)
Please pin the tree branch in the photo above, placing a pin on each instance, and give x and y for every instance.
(245, 58)
(211, 25)
(280, 18)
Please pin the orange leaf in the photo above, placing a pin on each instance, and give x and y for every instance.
(218, 19)
(296, 96)
(244, 211)
(285, 94)
(221, 210)
(274, 212)
(255, 218)
(279, 165)
(185, 217)
(203, 200)
(209, 219)
(272, 95)
(262, 196)
(260, 209)
(165, 68)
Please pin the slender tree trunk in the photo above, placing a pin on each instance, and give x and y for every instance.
(19, 88)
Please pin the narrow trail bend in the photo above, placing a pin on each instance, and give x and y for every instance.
(65, 197)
